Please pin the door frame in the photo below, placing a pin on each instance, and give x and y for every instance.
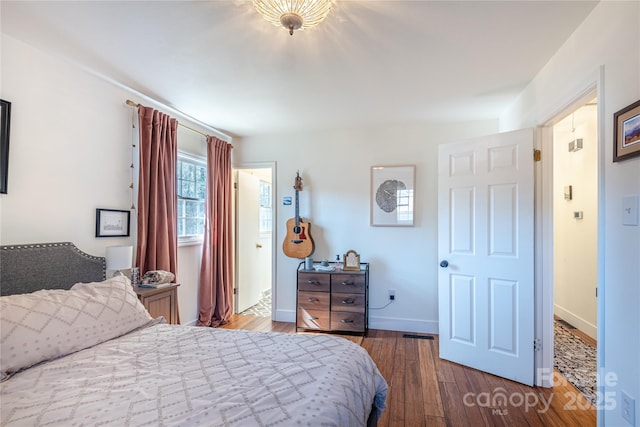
(593, 87)
(260, 165)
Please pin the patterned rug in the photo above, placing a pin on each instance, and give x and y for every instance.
(575, 360)
(261, 309)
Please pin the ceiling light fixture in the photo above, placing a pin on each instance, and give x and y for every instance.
(293, 14)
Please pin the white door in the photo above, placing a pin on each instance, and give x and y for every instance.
(250, 270)
(485, 247)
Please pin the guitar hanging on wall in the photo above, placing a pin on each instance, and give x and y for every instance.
(298, 242)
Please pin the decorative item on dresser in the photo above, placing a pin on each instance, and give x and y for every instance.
(351, 260)
(160, 301)
(333, 301)
(298, 242)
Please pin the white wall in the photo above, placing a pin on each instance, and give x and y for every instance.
(610, 36)
(76, 158)
(335, 167)
(70, 153)
(575, 249)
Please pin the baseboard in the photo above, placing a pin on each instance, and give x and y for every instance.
(285, 316)
(404, 325)
(377, 322)
(577, 321)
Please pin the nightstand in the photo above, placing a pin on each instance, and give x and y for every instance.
(160, 301)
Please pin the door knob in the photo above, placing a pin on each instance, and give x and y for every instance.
(444, 263)
(258, 245)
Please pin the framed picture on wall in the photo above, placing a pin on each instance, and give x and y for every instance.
(112, 223)
(5, 121)
(626, 132)
(392, 195)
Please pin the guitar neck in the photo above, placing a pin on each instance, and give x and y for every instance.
(297, 210)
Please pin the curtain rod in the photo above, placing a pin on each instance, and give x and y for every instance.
(135, 104)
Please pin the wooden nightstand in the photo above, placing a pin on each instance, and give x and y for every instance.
(160, 301)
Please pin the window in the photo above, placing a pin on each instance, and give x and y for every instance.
(405, 204)
(191, 188)
(266, 217)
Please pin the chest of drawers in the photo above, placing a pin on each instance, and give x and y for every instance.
(333, 301)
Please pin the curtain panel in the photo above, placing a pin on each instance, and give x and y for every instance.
(216, 273)
(157, 243)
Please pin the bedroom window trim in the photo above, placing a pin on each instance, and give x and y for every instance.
(198, 161)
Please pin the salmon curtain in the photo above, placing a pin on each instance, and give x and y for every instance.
(157, 245)
(216, 274)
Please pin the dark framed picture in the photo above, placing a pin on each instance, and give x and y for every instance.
(112, 223)
(626, 132)
(5, 122)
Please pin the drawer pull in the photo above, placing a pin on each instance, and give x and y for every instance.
(313, 318)
(347, 320)
(348, 301)
(313, 282)
(314, 299)
(348, 283)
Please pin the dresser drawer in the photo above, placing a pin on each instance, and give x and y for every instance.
(347, 321)
(347, 302)
(314, 282)
(348, 283)
(313, 319)
(313, 300)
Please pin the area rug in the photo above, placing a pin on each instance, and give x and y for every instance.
(575, 359)
(261, 309)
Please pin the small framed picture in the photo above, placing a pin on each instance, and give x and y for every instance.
(626, 132)
(392, 195)
(112, 223)
(351, 261)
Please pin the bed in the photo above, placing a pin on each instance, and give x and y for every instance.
(90, 354)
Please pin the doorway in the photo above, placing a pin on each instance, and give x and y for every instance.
(575, 246)
(254, 237)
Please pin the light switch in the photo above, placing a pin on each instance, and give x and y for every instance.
(630, 210)
(568, 192)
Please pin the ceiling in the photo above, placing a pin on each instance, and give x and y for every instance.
(369, 63)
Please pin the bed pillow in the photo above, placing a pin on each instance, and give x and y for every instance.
(51, 323)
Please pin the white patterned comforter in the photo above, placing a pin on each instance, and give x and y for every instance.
(195, 376)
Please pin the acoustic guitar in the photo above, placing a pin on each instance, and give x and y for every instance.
(298, 242)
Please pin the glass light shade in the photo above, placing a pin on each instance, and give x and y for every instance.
(119, 257)
(293, 14)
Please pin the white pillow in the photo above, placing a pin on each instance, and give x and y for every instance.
(52, 323)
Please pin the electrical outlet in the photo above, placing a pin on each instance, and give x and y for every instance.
(628, 408)
(392, 294)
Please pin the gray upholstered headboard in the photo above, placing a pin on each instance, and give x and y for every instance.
(31, 267)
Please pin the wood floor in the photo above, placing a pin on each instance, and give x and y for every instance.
(427, 391)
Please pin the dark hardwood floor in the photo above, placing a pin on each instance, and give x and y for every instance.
(427, 391)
